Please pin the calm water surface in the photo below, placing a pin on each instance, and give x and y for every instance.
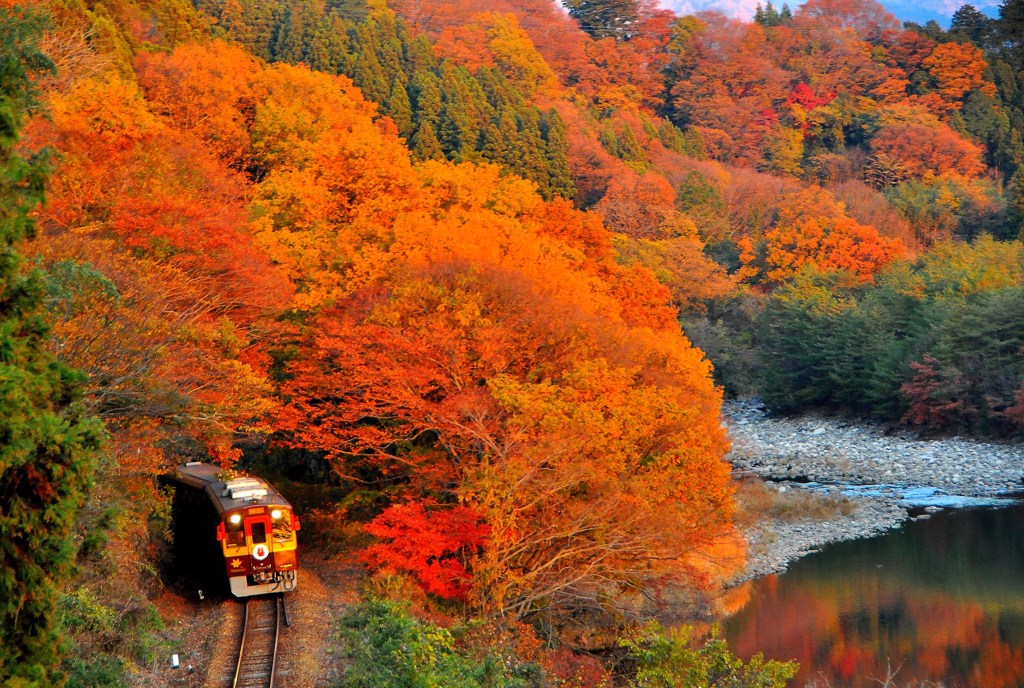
(941, 599)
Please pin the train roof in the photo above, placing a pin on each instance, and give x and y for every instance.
(227, 491)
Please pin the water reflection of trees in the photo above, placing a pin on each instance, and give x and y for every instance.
(943, 603)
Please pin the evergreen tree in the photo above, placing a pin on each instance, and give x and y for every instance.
(528, 156)
(767, 15)
(327, 47)
(1015, 206)
(500, 141)
(382, 38)
(1010, 32)
(670, 137)
(290, 36)
(419, 55)
(557, 152)
(425, 144)
(441, 109)
(971, 25)
(258, 22)
(232, 21)
(426, 95)
(399, 108)
(371, 78)
(45, 445)
(609, 141)
(465, 113)
(630, 149)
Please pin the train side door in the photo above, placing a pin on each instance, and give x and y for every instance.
(258, 533)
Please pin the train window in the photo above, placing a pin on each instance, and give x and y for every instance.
(235, 533)
(259, 533)
(283, 527)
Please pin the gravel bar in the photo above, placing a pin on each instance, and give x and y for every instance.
(881, 472)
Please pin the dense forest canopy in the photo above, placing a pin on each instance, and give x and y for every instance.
(490, 273)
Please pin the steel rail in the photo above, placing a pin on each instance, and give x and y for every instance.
(260, 666)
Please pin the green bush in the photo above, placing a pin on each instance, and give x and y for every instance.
(81, 612)
(104, 671)
(668, 659)
(389, 648)
(107, 643)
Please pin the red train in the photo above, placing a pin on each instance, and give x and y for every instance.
(237, 522)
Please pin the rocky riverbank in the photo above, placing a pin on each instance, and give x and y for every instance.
(773, 545)
(881, 474)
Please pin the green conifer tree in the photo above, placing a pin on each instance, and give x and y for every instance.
(45, 445)
(419, 55)
(630, 149)
(327, 48)
(399, 108)
(759, 14)
(465, 113)
(610, 141)
(261, 20)
(499, 140)
(671, 137)
(370, 77)
(290, 36)
(425, 143)
(231, 20)
(528, 157)
(556, 138)
(1014, 206)
(970, 24)
(767, 15)
(426, 93)
(1010, 32)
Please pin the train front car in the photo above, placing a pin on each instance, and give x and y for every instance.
(255, 528)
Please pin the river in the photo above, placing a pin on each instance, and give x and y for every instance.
(939, 601)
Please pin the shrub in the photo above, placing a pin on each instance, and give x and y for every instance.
(389, 648)
(668, 659)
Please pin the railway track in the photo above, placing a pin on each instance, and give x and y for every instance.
(257, 651)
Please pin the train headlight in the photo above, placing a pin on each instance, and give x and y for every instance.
(275, 514)
(235, 519)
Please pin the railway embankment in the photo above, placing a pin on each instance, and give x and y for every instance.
(884, 476)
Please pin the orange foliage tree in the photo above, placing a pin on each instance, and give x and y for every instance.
(640, 205)
(923, 149)
(474, 345)
(156, 291)
(866, 18)
(813, 231)
(471, 351)
(493, 39)
(165, 323)
(958, 68)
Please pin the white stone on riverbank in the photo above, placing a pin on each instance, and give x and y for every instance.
(880, 473)
(772, 546)
(824, 449)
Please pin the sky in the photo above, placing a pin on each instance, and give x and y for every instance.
(905, 10)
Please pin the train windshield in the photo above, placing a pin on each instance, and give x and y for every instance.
(235, 533)
(282, 525)
(259, 533)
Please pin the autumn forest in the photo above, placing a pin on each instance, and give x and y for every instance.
(470, 280)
